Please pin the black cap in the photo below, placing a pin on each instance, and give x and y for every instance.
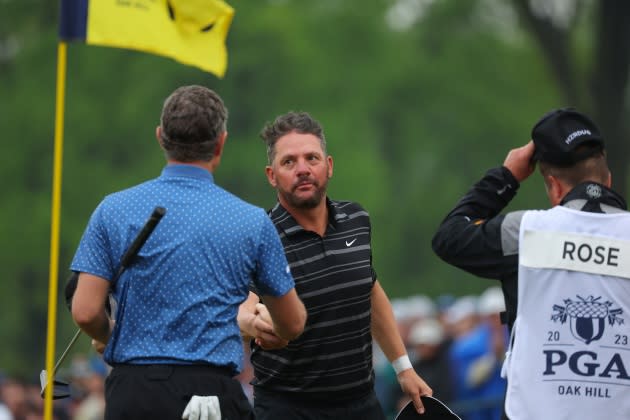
(559, 133)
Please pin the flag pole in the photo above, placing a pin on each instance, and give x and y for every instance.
(54, 226)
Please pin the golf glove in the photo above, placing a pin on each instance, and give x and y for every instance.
(202, 408)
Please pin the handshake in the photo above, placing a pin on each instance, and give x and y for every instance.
(260, 327)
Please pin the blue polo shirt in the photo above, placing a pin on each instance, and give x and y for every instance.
(178, 300)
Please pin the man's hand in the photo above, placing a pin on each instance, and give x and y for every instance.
(99, 346)
(414, 386)
(202, 408)
(519, 161)
(254, 321)
(265, 336)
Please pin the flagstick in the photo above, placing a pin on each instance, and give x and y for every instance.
(54, 226)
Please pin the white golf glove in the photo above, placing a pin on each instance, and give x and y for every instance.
(202, 408)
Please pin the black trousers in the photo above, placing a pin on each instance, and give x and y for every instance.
(279, 406)
(136, 392)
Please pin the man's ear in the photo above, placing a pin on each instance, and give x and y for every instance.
(218, 149)
(556, 189)
(158, 134)
(271, 176)
(330, 166)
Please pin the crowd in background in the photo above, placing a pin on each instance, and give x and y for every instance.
(456, 344)
(22, 400)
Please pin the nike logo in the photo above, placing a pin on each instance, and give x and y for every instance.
(504, 189)
(351, 242)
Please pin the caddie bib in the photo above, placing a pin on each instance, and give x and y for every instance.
(570, 357)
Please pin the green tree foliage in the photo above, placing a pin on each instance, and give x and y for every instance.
(413, 115)
(586, 45)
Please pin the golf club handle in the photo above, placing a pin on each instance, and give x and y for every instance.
(142, 237)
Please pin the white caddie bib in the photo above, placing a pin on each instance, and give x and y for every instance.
(571, 355)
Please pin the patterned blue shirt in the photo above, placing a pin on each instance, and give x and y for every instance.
(178, 300)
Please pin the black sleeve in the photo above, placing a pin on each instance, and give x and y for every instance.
(71, 287)
(470, 237)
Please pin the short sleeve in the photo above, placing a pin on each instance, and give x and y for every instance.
(273, 275)
(93, 255)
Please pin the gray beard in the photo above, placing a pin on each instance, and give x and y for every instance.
(308, 203)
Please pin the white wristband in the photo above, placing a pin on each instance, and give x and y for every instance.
(402, 363)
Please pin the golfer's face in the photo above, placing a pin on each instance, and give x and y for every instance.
(300, 170)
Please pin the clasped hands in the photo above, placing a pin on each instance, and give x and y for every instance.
(265, 336)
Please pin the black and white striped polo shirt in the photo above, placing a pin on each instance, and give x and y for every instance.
(334, 276)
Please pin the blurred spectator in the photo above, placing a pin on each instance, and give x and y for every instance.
(491, 304)
(410, 310)
(34, 402)
(442, 303)
(14, 397)
(487, 370)
(477, 366)
(88, 385)
(5, 414)
(429, 347)
(467, 347)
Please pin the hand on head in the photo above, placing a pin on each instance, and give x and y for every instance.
(520, 162)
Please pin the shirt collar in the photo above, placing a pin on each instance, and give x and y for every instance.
(284, 221)
(188, 171)
(591, 196)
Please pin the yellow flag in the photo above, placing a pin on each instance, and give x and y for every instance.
(192, 32)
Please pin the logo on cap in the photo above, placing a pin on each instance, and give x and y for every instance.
(577, 133)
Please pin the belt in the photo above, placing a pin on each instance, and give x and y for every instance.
(167, 369)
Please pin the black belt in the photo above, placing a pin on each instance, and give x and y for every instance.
(160, 370)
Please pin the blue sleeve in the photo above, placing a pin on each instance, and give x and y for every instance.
(273, 275)
(93, 254)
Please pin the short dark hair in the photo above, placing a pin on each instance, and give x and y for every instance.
(593, 168)
(193, 118)
(299, 122)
